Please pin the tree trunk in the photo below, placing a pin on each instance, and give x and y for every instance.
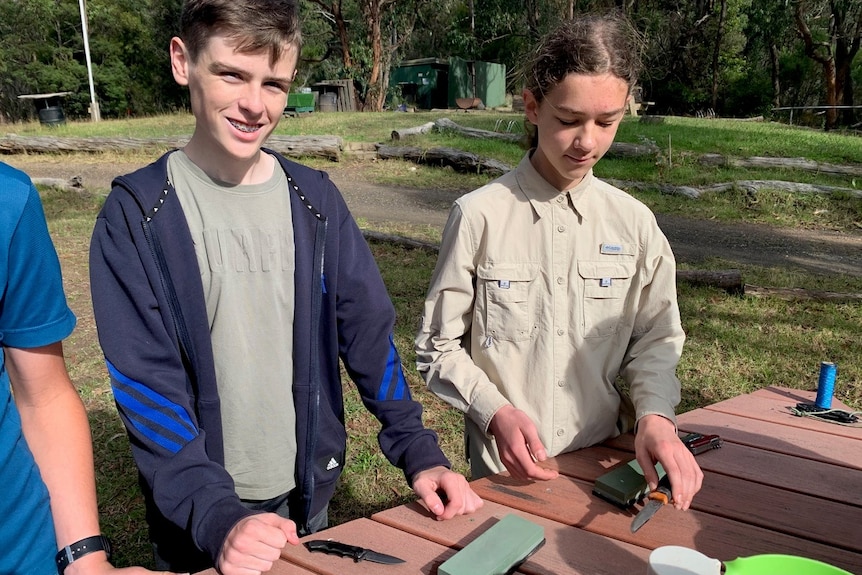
(376, 95)
(719, 35)
(774, 69)
(826, 61)
(845, 52)
(532, 10)
(343, 36)
(339, 27)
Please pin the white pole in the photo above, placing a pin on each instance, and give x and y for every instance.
(94, 106)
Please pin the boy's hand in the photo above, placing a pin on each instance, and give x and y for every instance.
(519, 445)
(657, 441)
(460, 497)
(255, 543)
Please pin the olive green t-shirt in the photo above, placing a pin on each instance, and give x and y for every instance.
(244, 243)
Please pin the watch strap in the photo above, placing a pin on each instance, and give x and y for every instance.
(71, 553)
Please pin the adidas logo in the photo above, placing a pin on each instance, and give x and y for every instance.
(332, 464)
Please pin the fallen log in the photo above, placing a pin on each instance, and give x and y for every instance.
(73, 184)
(617, 149)
(329, 147)
(406, 132)
(803, 164)
(687, 191)
(797, 294)
(457, 159)
(750, 186)
(728, 280)
(626, 150)
(402, 241)
(13, 144)
(443, 124)
(793, 187)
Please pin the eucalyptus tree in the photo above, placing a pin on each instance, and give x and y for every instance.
(831, 32)
(39, 41)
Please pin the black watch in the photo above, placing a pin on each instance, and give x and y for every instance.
(71, 553)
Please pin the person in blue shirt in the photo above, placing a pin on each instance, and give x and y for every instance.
(46, 456)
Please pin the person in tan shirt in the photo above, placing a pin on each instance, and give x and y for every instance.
(552, 286)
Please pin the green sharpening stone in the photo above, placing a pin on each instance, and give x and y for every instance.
(498, 550)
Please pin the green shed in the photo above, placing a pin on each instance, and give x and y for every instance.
(437, 83)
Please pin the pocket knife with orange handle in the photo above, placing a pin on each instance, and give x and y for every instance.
(657, 498)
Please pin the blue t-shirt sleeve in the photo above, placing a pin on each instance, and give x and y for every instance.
(33, 308)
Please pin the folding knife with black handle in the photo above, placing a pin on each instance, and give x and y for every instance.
(353, 551)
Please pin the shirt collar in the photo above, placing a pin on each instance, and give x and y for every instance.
(540, 193)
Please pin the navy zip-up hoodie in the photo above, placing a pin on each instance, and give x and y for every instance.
(153, 328)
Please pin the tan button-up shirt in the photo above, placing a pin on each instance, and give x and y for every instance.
(542, 299)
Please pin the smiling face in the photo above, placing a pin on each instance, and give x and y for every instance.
(576, 121)
(237, 99)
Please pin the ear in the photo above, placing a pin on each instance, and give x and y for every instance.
(180, 61)
(531, 107)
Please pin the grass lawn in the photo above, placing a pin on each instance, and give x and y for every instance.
(735, 344)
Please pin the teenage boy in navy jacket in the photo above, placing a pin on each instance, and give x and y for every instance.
(227, 282)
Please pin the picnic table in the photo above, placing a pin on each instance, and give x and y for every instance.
(779, 484)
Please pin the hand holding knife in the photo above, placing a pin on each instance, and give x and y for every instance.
(657, 498)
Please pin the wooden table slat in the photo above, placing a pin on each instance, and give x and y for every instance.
(278, 568)
(780, 484)
(793, 396)
(570, 501)
(792, 513)
(566, 550)
(740, 461)
(420, 555)
(776, 411)
(776, 437)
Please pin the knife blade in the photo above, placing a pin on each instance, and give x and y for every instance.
(353, 551)
(657, 499)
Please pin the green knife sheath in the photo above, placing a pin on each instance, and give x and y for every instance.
(498, 550)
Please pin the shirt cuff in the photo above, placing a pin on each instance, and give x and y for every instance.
(485, 406)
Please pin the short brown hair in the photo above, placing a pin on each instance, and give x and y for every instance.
(255, 25)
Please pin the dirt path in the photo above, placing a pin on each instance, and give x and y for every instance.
(693, 240)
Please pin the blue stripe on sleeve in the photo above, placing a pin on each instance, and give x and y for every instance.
(164, 418)
(393, 385)
(383, 392)
(140, 424)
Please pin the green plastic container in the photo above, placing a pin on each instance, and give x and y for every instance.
(300, 102)
(780, 565)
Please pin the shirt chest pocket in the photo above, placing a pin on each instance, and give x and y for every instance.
(606, 285)
(506, 289)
